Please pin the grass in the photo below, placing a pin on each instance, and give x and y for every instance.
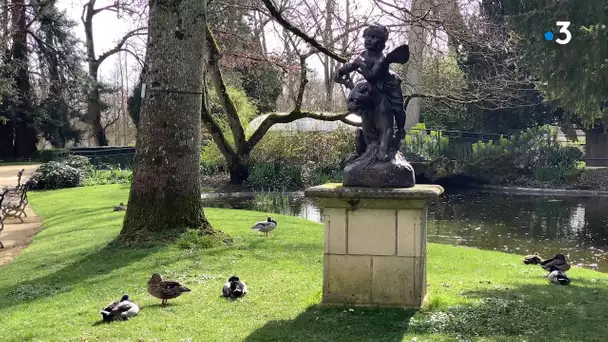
(54, 290)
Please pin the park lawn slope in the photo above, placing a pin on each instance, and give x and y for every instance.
(54, 289)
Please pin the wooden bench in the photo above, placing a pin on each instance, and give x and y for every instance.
(2, 196)
(15, 201)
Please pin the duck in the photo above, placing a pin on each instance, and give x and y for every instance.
(533, 259)
(265, 226)
(120, 310)
(120, 207)
(556, 276)
(558, 260)
(234, 288)
(165, 289)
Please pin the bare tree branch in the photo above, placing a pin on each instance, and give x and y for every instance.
(274, 12)
(136, 32)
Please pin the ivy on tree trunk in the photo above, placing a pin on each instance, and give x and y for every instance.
(165, 195)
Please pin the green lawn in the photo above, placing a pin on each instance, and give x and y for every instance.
(54, 290)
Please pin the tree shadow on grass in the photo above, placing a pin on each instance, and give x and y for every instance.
(258, 248)
(534, 312)
(91, 269)
(319, 323)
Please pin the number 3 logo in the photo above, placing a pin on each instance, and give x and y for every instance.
(563, 25)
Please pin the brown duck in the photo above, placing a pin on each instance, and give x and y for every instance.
(558, 260)
(532, 259)
(165, 289)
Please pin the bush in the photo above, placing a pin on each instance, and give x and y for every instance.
(81, 163)
(274, 177)
(57, 175)
(324, 149)
(592, 179)
(425, 146)
(114, 175)
(212, 161)
(289, 160)
(535, 155)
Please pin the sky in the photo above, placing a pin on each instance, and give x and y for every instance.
(108, 29)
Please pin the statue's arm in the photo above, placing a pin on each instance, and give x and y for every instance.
(342, 75)
(372, 74)
(347, 68)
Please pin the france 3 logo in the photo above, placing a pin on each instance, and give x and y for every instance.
(563, 30)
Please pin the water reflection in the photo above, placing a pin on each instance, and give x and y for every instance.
(510, 223)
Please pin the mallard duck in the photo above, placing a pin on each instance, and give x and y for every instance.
(120, 310)
(558, 260)
(234, 288)
(532, 259)
(120, 207)
(556, 276)
(165, 289)
(265, 226)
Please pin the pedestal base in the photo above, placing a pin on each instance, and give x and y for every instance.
(375, 244)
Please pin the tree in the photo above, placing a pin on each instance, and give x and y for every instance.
(63, 74)
(165, 196)
(94, 61)
(42, 95)
(237, 156)
(573, 76)
(240, 38)
(18, 135)
(417, 37)
(486, 57)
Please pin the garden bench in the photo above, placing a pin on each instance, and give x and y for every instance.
(15, 201)
(19, 175)
(2, 196)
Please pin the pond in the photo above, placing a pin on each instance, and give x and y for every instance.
(510, 223)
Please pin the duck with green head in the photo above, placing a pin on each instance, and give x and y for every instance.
(234, 288)
(556, 276)
(120, 310)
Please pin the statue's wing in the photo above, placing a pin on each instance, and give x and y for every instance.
(400, 54)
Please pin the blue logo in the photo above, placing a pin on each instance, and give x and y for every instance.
(548, 35)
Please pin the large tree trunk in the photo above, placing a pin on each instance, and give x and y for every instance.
(328, 63)
(93, 96)
(94, 111)
(165, 193)
(239, 171)
(416, 41)
(26, 135)
(6, 141)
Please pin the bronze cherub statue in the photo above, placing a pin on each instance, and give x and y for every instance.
(378, 99)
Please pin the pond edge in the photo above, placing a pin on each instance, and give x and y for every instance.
(540, 191)
(482, 188)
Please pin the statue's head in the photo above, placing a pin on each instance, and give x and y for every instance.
(360, 97)
(375, 37)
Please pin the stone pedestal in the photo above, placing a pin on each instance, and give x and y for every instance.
(375, 244)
